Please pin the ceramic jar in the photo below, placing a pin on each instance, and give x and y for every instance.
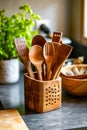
(9, 71)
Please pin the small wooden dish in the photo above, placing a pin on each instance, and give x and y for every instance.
(75, 71)
(74, 85)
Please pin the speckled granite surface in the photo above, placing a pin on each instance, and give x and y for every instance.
(72, 114)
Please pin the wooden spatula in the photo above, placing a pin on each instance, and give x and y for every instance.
(23, 52)
(64, 52)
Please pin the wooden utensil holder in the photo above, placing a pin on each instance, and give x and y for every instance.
(42, 96)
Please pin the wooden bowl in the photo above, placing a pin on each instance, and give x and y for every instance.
(73, 84)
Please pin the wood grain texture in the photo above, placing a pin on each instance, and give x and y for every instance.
(11, 120)
(23, 51)
(75, 85)
(63, 54)
(42, 96)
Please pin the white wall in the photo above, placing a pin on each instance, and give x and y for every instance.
(57, 11)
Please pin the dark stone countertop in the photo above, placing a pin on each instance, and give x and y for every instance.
(72, 114)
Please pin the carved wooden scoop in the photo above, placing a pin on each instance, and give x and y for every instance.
(23, 51)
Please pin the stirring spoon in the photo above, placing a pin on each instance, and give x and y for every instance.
(37, 59)
(40, 40)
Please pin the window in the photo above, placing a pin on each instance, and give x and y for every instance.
(84, 22)
(85, 19)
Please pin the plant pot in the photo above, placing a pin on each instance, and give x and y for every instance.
(9, 71)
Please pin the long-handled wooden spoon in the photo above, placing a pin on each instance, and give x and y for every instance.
(40, 40)
(23, 51)
(36, 58)
(48, 52)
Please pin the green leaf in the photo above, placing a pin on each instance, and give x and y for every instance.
(20, 24)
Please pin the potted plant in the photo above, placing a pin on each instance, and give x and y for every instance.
(20, 24)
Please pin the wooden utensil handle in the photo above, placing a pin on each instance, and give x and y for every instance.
(38, 67)
(43, 71)
(29, 69)
(48, 70)
(55, 72)
(57, 37)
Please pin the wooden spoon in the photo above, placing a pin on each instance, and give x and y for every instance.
(38, 40)
(48, 52)
(23, 51)
(36, 58)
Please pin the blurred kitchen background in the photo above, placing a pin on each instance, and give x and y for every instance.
(63, 15)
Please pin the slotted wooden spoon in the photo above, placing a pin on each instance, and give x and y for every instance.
(36, 58)
(48, 52)
(23, 51)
